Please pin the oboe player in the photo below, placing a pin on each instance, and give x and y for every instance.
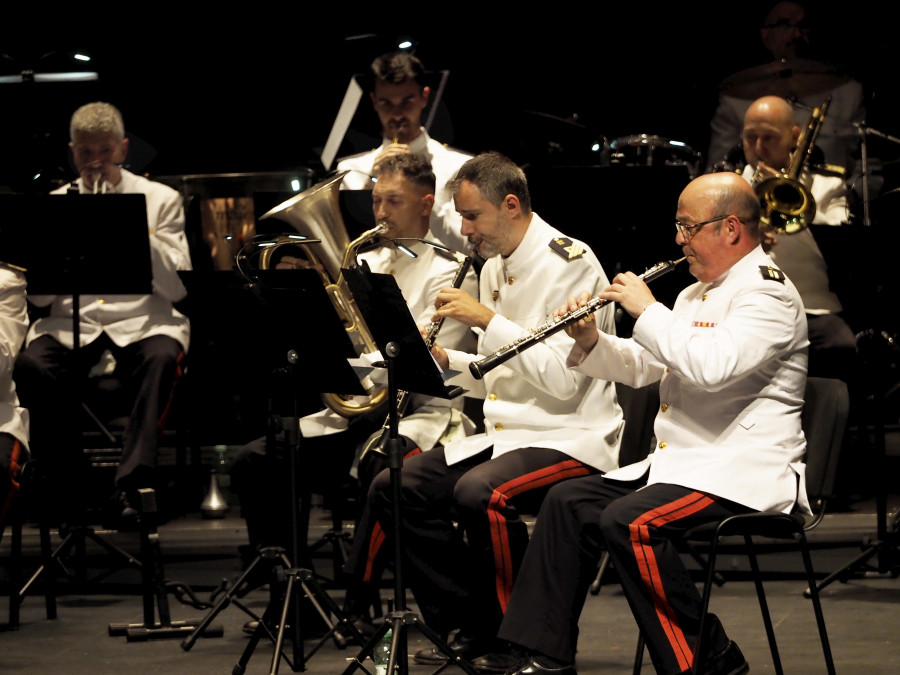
(731, 361)
(543, 422)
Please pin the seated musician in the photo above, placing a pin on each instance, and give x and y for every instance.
(331, 443)
(543, 423)
(770, 137)
(13, 418)
(144, 336)
(730, 359)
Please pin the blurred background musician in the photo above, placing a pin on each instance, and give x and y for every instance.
(790, 66)
(770, 138)
(144, 336)
(402, 199)
(542, 424)
(399, 95)
(13, 417)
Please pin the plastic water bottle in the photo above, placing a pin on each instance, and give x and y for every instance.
(382, 654)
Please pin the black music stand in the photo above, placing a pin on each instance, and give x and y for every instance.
(70, 245)
(410, 367)
(288, 314)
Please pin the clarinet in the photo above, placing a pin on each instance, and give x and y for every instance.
(503, 354)
(403, 397)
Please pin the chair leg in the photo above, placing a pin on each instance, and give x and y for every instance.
(638, 655)
(601, 570)
(817, 605)
(15, 572)
(704, 608)
(763, 604)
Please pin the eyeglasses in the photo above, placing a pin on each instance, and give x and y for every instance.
(787, 26)
(687, 231)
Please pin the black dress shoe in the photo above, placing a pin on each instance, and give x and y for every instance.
(496, 663)
(729, 661)
(461, 645)
(120, 514)
(343, 636)
(531, 666)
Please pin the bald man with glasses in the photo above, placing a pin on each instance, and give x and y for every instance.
(730, 358)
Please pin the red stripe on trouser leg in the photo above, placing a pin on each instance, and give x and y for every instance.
(503, 565)
(377, 537)
(164, 415)
(376, 541)
(14, 468)
(649, 569)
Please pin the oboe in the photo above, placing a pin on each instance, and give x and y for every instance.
(503, 354)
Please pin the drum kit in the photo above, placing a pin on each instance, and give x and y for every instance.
(572, 141)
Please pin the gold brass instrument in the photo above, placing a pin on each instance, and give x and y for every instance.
(12, 268)
(535, 335)
(787, 205)
(315, 213)
(465, 262)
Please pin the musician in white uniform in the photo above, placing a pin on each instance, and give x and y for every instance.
(402, 200)
(146, 336)
(13, 417)
(785, 37)
(770, 138)
(399, 96)
(731, 359)
(543, 422)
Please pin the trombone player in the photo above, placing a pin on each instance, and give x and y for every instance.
(770, 136)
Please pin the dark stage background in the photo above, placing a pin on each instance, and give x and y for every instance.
(254, 89)
(257, 88)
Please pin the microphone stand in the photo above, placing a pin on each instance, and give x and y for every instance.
(864, 131)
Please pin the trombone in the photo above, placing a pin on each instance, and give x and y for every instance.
(787, 205)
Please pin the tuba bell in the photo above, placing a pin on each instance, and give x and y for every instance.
(787, 205)
(316, 214)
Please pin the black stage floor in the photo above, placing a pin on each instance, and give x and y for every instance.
(199, 554)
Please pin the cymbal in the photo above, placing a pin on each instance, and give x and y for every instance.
(558, 122)
(788, 78)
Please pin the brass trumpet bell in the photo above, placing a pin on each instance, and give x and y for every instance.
(316, 214)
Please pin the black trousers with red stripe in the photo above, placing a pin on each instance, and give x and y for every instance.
(578, 521)
(13, 456)
(462, 576)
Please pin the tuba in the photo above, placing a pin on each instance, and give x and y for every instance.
(787, 205)
(316, 214)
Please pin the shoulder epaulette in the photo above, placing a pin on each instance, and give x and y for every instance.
(566, 248)
(771, 273)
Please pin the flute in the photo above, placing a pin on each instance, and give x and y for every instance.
(503, 354)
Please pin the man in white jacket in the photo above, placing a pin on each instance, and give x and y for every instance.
(399, 96)
(730, 359)
(145, 335)
(543, 422)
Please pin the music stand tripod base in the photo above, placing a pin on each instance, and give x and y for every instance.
(154, 585)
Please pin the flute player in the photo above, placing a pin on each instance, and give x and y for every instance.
(731, 361)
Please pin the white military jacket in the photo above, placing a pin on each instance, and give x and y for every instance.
(731, 360)
(419, 279)
(445, 162)
(129, 318)
(13, 326)
(534, 400)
